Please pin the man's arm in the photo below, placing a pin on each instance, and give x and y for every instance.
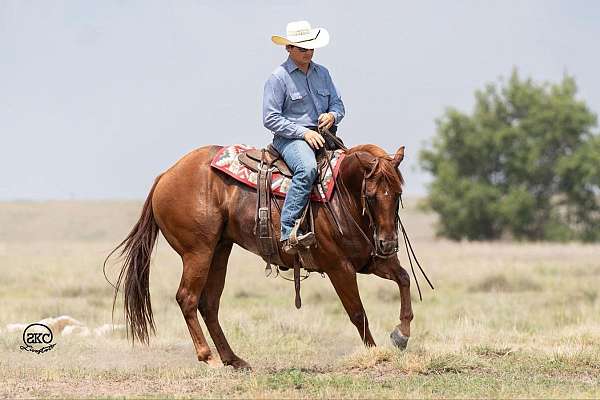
(273, 118)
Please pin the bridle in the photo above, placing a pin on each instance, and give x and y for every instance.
(366, 209)
(375, 248)
(373, 243)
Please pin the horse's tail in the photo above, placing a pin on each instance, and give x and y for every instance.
(137, 250)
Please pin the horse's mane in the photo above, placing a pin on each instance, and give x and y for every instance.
(385, 169)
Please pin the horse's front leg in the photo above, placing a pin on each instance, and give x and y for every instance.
(345, 285)
(391, 269)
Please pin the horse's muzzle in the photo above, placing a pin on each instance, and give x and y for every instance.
(388, 247)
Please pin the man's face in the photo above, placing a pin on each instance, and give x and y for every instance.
(300, 56)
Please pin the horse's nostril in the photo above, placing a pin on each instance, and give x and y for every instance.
(388, 246)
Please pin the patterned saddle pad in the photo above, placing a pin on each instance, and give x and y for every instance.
(226, 160)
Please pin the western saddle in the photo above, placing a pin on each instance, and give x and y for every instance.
(265, 162)
(269, 156)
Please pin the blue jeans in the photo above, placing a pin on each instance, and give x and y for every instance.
(300, 157)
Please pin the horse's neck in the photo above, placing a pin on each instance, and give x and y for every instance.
(351, 176)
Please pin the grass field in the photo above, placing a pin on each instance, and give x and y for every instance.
(505, 320)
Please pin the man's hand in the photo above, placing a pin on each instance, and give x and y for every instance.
(326, 121)
(314, 139)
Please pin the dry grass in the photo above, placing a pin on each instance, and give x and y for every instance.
(505, 320)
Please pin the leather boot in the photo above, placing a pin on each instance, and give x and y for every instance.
(305, 240)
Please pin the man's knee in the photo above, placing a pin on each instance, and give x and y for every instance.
(308, 170)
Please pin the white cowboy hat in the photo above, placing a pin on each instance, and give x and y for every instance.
(300, 34)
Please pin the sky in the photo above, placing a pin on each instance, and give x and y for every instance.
(99, 97)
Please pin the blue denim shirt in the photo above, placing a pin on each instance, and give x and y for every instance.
(292, 100)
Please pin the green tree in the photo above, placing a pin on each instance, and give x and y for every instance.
(525, 163)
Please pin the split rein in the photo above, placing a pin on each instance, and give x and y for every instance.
(366, 209)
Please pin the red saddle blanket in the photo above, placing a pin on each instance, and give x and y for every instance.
(226, 160)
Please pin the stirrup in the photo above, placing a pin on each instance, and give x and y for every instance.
(304, 240)
(289, 248)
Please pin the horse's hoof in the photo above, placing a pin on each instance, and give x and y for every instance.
(398, 339)
(209, 359)
(239, 364)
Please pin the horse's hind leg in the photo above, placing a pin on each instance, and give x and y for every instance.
(209, 305)
(195, 272)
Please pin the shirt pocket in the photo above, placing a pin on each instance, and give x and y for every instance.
(295, 96)
(323, 99)
(323, 92)
(298, 104)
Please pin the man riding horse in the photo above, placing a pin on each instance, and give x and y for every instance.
(299, 100)
(202, 212)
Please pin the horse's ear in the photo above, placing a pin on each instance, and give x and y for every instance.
(399, 156)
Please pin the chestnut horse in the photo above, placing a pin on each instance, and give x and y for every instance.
(202, 212)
